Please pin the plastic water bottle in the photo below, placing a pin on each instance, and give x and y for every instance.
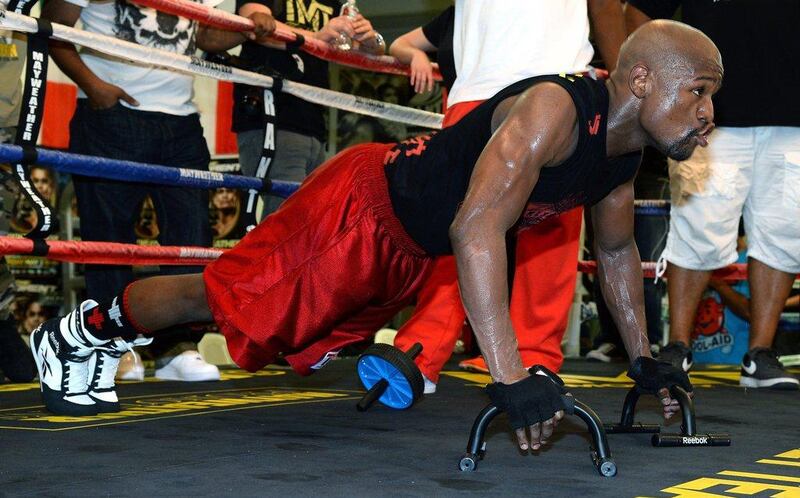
(350, 10)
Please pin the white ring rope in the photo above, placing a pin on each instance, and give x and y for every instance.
(194, 65)
(651, 203)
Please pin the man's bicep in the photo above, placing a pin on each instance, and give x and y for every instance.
(63, 12)
(418, 39)
(527, 139)
(612, 218)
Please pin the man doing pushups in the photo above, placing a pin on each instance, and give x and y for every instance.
(353, 245)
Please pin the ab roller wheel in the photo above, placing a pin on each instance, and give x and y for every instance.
(390, 376)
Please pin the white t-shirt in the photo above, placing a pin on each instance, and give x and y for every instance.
(155, 89)
(13, 50)
(499, 42)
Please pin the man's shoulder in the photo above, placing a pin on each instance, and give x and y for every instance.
(548, 89)
(564, 91)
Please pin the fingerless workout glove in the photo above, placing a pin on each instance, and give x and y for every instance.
(651, 375)
(531, 400)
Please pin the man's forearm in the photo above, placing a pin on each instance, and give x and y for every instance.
(620, 272)
(403, 51)
(634, 18)
(484, 291)
(608, 23)
(218, 40)
(738, 303)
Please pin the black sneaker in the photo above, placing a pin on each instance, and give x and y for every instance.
(63, 371)
(103, 366)
(678, 354)
(761, 368)
(15, 357)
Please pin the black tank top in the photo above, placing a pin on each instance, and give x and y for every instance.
(428, 175)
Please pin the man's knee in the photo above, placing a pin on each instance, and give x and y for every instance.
(196, 295)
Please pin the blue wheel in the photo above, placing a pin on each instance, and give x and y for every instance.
(382, 361)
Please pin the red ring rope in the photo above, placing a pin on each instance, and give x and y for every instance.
(112, 253)
(730, 273)
(231, 22)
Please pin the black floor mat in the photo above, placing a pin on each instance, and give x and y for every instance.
(276, 434)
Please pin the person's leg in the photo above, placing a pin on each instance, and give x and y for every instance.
(250, 144)
(293, 155)
(772, 228)
(108, 209)
(708, 194)
(64, 348)
(357, 328)
(183, 212)
(437, 320)
(157, 303)
(289, 259)
(544, 287)
(439, 316)
(331, 251)
(183, 221)
(685, 288)
(769, 289)
(316, 154)
(650, 232)
(15, 359)
(773, 238)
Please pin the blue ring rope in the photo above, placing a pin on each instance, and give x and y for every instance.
(129, 171)
(651, 211)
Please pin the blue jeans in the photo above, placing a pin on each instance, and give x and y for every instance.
(109, 209)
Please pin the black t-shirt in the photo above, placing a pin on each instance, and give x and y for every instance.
(292, 113)
(440, 33)
(428, 176)
(759, 47)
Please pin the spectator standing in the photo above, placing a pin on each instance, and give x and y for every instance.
(15, 362)
(300, 134)
(138, 113)
(751, 168)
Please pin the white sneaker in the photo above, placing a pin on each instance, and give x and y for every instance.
(130, 367)
(602, 353)
(430, 386)
(385, 336)
(63, 369)
(188, 366)
(103, 366)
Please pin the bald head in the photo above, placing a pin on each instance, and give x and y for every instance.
(662, 88)
(669, 45)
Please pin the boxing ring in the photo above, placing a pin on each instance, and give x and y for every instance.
(110, 253)
(321, 447)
